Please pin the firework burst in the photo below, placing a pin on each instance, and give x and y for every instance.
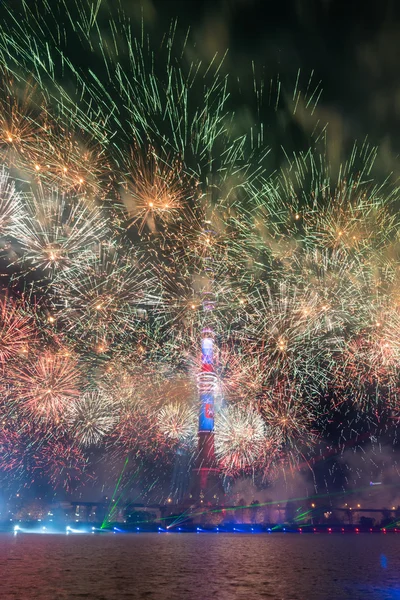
(289, 417)
(17, 332)
(11, 209)
(64, 463)
(241, 438)
(56, 229)
(178, 423)
(22, 125)
(105, 294)
(92, 417)
(136, 216)
(154, 191)
(47, 385)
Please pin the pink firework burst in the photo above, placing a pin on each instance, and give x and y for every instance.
(16, 330)
(47, 386)
(63, 463)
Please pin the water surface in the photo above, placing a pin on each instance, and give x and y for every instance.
(200, 566)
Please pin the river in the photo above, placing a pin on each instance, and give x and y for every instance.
(200, 566)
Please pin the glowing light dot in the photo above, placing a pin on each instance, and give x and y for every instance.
(37, 168)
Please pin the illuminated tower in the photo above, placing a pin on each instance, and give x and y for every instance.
(206, 468)
(207, 487)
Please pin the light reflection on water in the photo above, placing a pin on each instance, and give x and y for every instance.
(201, 567)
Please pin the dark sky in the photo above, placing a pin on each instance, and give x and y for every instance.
(353, 46)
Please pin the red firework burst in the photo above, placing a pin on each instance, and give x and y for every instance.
(63, 463)
(16, 330)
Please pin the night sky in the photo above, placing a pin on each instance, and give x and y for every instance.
(199, 299)
(349, 50)
(352, 47)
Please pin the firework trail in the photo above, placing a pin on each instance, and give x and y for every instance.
(17, 331)
(92, 417)
(46, 385)
(178, 422)
(241, 438)
(64, 463)
(121, 180)
(104, 294)
(54, 229)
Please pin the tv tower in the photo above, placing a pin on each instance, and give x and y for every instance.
(207, 487)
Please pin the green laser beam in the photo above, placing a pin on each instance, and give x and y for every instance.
(105, 521)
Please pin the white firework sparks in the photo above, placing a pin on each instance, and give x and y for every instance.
(177, 422)
(56, 228)
(241, 437)
(10, 202)
(92, 417)
(105, 292)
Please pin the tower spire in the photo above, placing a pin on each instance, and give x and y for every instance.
(207, 486)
